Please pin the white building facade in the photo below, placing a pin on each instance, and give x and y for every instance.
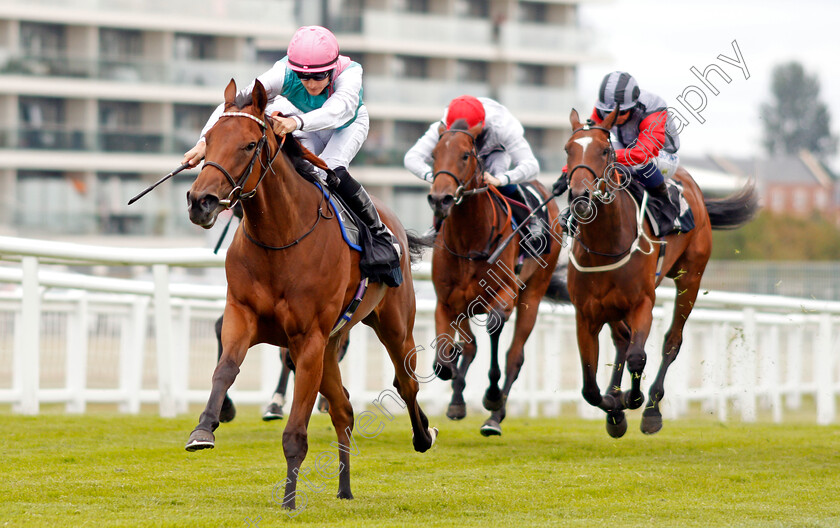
(100, 98)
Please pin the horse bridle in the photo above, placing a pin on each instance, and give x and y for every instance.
(461, 191)
(604, 196)
(236, 193)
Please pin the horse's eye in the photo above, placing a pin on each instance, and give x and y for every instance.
(566, 148)
(606, 152)
(465, 156)
(251, 146)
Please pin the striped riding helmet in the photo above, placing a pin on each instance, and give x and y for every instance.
(617, 88)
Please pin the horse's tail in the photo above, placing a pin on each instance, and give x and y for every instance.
(417, 245)
(735, 210)
(558, 291)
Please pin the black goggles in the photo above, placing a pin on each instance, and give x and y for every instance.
(313, 76)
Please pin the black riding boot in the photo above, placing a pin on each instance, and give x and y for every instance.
(669, 210)
(383, 262)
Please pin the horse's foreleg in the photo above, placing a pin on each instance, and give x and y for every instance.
(616, 421)
(587, 338)
(308, 355)
(639, 322)
(687, 287)
(493, 398)
(341, 413)
(239, 325)
(228, 412)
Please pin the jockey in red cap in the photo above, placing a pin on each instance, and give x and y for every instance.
(501, 144)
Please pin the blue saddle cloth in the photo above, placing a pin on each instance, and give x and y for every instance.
(347, 221)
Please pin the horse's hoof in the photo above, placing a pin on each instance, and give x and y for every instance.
(200, 439)
(492, 403)
(491, 428)
(323, 405)
(456, 411)
(442, 371)
(616, 424)
(651, 421)
(228, 412)
(344, 494)
(421, 448)
(629, 402)
(273, 411)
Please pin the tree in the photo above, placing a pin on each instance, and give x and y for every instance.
(795, 118)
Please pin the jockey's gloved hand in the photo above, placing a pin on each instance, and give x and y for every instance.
(561, 185)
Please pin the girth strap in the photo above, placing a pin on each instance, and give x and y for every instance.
(351, 308)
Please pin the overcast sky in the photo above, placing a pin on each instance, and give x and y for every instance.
(659, 41)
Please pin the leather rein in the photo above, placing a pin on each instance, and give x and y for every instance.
(463, 191)
(236, 194)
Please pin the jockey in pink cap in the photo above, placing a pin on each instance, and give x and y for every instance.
(318, 91)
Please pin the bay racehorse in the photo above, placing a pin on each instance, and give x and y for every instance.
(613, 272)
(475, 217)
(290, 278)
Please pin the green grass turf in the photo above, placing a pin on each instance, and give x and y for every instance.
(109, 469)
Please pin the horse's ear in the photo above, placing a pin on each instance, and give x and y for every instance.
(476, 130)
(610, 120)
(230, 93)
(574, 118)
(441, 129)
(259, 97)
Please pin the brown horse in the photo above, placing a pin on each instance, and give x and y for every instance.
(290, 277)
(613, 275)
(473, 223)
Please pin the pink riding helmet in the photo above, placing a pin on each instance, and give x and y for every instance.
(313, 49)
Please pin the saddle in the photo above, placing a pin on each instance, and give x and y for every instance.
(666, 216)
(535, 239)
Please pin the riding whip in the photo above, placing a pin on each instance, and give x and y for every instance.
(171, 174)
(554, 193)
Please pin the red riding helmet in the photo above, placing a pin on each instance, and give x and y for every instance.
(465, 107)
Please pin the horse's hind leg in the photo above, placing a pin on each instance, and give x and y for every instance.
(394, 327)
(688, 285)
(236, 337)
(341, 413)
(274, 409)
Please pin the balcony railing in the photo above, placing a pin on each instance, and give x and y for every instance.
(233, 10)
(57, 137)
(419, 92)
(176, 72)
(543, 99)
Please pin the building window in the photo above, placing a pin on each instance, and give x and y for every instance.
(406, 134)
(777, 200)
(189, 120)
(416, 6)
(473, 8)
(42, 123)
(472, 71)
(112, 194)
(412, 67)
(43, 40)
(821, 200)
(120, 130)
(800, 200)
(533, 12)
(530, 74)
(197, 47)
(50, 201)
(120, 44)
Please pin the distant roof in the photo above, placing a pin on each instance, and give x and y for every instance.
(783, 169)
